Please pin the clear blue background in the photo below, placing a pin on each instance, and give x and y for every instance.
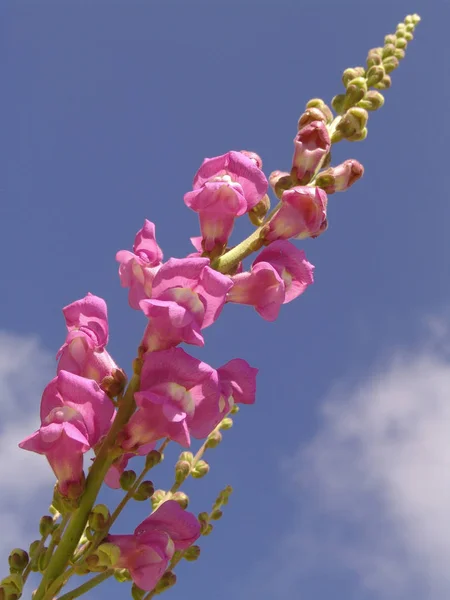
(108, 109)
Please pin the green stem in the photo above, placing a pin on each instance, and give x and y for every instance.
(92, 583)
(32, 562)
(94, 481)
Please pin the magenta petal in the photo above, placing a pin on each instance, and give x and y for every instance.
(238, 379)
(90, 316)
(181, 525)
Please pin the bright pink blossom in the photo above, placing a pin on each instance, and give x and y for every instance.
(225, 187)
(237, 384)
(83, 352)
(172, 385)
(187, 296)
(302, 214)
(146, 553)
(312, 143)
(262, 288)
(137, 269)
(291, 265)
(75, 415)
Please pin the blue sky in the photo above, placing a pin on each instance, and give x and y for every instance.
(341, 469)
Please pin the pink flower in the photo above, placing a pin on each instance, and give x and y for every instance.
(312, 143)
(262, 288)
(75, 415)
(187, 296)
(291, 265)
(137, 269)
(340, 178)
(83, 352)
(225, 187)
(237, 384)
(172, 385)
(302, 214)
(146, 553)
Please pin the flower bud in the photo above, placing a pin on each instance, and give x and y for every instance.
(152, 459)
(114, 384)
(182, 499)
(280, 181)
(254, 157)
(137, 593)
(127, 480)
(144, 491)
(46, 525)
(167, 581)
(108, 555)
(214, 439)
(373, 100)
(390, 39)
(399, 54)
(319, 104)
(12, 585)
(375, 74)
(358, 136)
(216, 514)
(311, 144)
(258, 212)
(18, 560)
(235, 409)
(122, 575)
(409, 36)
(309, 116)
(388, 50)
(350, 74)
(200, 470)
(374, 57)
(353, 122)
(192, 553)
(158, 498)
(338, 103)
(340, 178)
(390, 63)
(203, 517)
(223, 497)
(401, 43)
(409, 27)
(182, 470)
(207, 529)
(99, 517)
(384, 84)
(226, 423)
(356, 89)
(415, 18)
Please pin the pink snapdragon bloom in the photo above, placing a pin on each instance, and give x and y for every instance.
(291, 265)
(172, 385)
(83, 352)
(237, 384)
(302, 214)
(137, 269)
(146, 553)
(262, 288)
(187, 296)
(225, 187)
(311, 144)
(75, 415)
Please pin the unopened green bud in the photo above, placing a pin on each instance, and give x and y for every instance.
(216, 514)
(280, 181)
(137, 593)
(258, 212)
(408, 36)
(144, 491)
(374, 57)
(338, 103)
(410, 27)
(182, 470)
(99, 517)
(203, 517)
(373, 100)
(42, 560)
(226, 423)
(309, 116)
(319, 104)
(18, 560)
(350, 74)
(46, 525)
(158, 497)
(223, 497)
(108, 555)
(167, 581)
(356, 89)
(206, 529)
(399, 54)
(192, 553)
(181, 498)
(358, 136)
(200, 470)
(152, 459)
(34, 547)
(384, 84)
(353, 122)
(388, 50)
(390, 64)
(214, 439)
(12, 585)
(415, 18)
(235, 409)
(375, 74)
(401, 43)
(122, 575)
(390, 39)
(127, 480)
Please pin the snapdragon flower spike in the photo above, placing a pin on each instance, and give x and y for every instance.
(225, 187)
(172, 385)
(146, 553)
(83, 352)
(291, 265)
(237, 384)
(312, 143)
(302, 214)
(187, 296)
(137, 269)
(75, 415)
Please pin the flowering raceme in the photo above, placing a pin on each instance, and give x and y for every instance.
(75, 415)
(225, 187)
(146, 553)
(137, 269)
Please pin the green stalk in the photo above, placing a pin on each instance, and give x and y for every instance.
(88, 585)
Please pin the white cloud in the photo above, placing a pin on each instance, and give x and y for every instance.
(26, 479)
(372, 489)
